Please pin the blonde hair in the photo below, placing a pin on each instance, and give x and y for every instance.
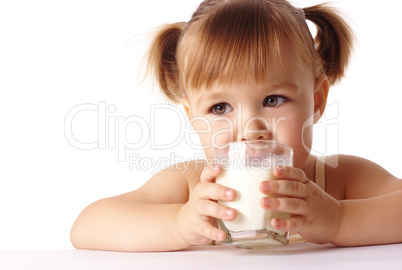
(230, 41)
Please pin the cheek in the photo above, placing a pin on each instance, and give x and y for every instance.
(222, 132)
(204, 129)
(303, 146)
(296, 131)
(213, 133)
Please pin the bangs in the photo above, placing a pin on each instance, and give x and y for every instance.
(240, 40)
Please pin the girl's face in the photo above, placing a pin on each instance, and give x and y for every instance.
(283, 108)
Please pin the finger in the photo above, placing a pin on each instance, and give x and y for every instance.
(291, 224)
(213, 209)
(285, 188)
(290, 173)
(212, 191)
(210, 172)
(211, 232)
(286, 205)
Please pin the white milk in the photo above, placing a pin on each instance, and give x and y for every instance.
(250, 214)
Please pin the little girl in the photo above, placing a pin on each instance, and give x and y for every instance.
(250, 70)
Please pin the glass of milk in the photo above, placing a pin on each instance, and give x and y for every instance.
(245, 165)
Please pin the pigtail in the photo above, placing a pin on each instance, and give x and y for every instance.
(333, 42)
(161, 64)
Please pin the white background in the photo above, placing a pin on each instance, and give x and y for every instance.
(56, 55)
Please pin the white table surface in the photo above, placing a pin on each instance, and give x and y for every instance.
(295, 256)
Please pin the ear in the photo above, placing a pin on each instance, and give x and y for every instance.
(320, 96)
(186, 106)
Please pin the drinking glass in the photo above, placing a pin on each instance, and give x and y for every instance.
(245, 165)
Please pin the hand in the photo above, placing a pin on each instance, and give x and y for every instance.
(196, 218)
(315, 215)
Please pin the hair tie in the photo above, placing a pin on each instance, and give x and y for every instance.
(300, 13)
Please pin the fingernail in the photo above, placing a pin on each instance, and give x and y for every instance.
(228, 193)
(215, 166)
(267, 202)
(221, 236)
(229, 212)
(279, 169)
(266, 186)
(278, 223)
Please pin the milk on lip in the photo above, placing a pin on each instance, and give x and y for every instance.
(250, 214)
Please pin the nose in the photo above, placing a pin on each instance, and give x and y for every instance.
(256, 128)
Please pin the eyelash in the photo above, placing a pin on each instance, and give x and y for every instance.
(211, 109)
(284, 99)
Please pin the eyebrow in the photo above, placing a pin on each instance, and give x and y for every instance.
(209, 96)
(284, 86)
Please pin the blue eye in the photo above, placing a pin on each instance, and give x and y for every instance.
(274, 101)
(221, 108)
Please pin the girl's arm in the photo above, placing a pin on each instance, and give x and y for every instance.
(372, 205)
(122, 225)
(143, 219)
(171, 211)
(371, 221)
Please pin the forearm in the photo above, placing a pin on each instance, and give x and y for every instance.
(371, 221)
(122, 225)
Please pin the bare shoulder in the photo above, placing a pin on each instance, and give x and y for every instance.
(170, 185)
(352, 177)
